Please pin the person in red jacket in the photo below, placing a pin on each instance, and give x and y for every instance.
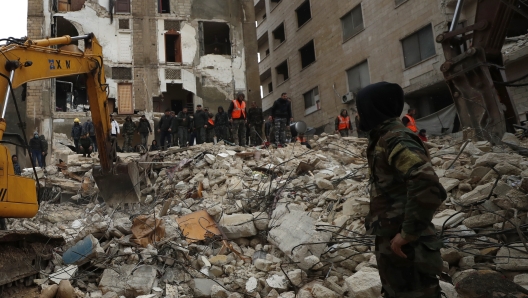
(423, 135)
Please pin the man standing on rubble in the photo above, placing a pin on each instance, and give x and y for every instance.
(255, 119)
(200, 124)
(221, 122)
(76, 133)
(128, 128)
(144, 129)
(409, 122)
(164, 127)
(184, 123)
(237, 116)
(281, 115)
(404, 195)
(174, 129)
(343, 126)
(89, 128)
(210, 131)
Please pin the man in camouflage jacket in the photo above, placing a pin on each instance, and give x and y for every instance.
(404, 192)
(129, 128)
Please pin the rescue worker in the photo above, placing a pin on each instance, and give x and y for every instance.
(86, 147)
(129, 128)
(44, 146)
(255, 120)
(89, 128)
(237, 116)
(343, 126)
(144, 129)
(174, 129)
(404, 194)
(221, 121)
(154, 146)
(184, 124)
(423, 135)
(200, 124)
(36, 149)
(76, 133)
(16, 165)
(164, 128)
(302, 139)
(409, 122)
(281, 115)
(210, 130)
(360, 133)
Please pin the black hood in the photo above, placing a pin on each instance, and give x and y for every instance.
(377, 103)
(220, 109)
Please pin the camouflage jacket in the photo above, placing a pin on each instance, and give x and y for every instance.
(129, 128)
(404, 188)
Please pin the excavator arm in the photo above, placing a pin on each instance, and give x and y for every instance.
(44, 59)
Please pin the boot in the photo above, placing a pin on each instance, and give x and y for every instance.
(84, 155)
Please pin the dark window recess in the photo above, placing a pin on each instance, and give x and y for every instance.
(121, 73)
(263, 16)
(171, 25)
(267, 52)
(68, 5)
(173, 47)
(352, 22)
(270, 87)
(279, 35)
(122, 6)
(124, 24)
(303, 13)
(282, 72)
(215, 38)
(164, 6)
(307, 54)
(418, 46)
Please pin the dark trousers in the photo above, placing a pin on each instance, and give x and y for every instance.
(44, 159)
(94, 142)
(36, 155)
(414, 276)
(164, 139)
(76, 143)
(85, 150)
(183, 134)
(200, 135)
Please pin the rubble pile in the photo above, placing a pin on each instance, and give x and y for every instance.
(223, 221)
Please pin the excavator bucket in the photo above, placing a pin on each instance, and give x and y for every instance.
(120, 186)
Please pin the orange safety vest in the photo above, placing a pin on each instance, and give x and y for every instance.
(239, 110)
(302, 140)
(344, 123)
(412, 124)
(211, 121)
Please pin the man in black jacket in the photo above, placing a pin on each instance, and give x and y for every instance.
(44, 146)
(174, 129)
(184, 124)
(200, 124)
(76, 133)
(255, 120)
(164, 127)
(281, 114)
(144, 130)
(36, 149)
(221, 123)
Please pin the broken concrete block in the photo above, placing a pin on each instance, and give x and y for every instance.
(65, 290)
(261, 221)
(324, 184)
(480, 193)
(449, 183)
(513, 258)
(202, 287)
(451, 255)
(448, 289)
(295, 277)
(263, 265)
(114, 279)
(447, 219)
(251, 285)
(219, 292)
(65, 273)
(238, 226)
(219, 260)
(509, 197)
(277, 282)
(319, 291)
(365, 283)
(236, 185)
(483, 220)
(507, 169)
(141, 282)
(356, 207)
(492, 159)
(510, 138)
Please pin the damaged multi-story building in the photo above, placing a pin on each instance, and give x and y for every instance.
(322, 52)
(157, 55)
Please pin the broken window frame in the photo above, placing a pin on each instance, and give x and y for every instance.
(274, 4)
(161, 6)
(352, 17)
(283, 32)
(122, 3)
(305, 65)
(279, 72)
(422, 37)
(68, 5)
(177, 47)
(302, 6)
(312, 101)
(201, 39)
(358, 74)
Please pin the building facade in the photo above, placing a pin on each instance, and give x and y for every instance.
(158, 54)
(323, 52)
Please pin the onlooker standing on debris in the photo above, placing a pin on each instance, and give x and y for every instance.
(164, 128)
(115, 127)
(36, 149)
(255, 120)
(76, 133)
(174, 129)
(86, 145)
(423, 135)
(281, 114)
(404, 195)
(237, 116)
(408, 120)
(210, 130)
(44, 146)
(221, 124)
(302, 139)
(144, 129)
(154, 146)
(129, 128)
(89, 128)
(184, 124)
(343, 126)
(267, 129)
(16, 165)
(361, 134)
(200, 124)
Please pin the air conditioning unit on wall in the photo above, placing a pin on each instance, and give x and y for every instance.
(349, 97)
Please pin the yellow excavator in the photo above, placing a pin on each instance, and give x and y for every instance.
(23, 61)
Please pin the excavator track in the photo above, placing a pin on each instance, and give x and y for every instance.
(24, 254)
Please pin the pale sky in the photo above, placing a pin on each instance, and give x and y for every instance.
(13, 22)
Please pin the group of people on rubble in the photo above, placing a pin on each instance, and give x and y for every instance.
(84, 137)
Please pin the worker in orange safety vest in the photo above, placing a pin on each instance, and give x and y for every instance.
(408, 120)
(237, 116)
(343, 126)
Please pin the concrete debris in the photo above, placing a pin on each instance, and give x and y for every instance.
(216, 221)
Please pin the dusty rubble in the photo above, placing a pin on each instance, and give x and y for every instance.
(221, 221)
